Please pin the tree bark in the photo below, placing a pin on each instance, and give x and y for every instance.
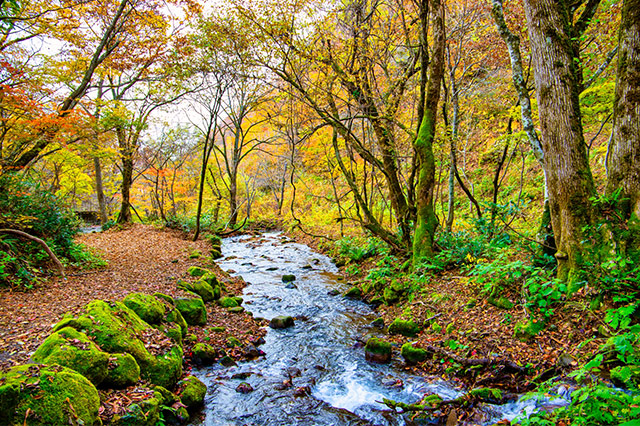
(555, 60)
(623, 162)
(426, 220)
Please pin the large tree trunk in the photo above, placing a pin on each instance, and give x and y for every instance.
(127, 177)
(623, 162)
(555, 60)
(426, 220)
(233, 199)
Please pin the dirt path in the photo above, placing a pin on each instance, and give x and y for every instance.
(141, 258)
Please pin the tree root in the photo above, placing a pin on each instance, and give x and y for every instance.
(44, 245)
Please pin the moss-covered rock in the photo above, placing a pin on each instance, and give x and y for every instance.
(287, 278)
(117, 329)
(413, 355)
(148, 308)
(211, 279)
(236, 309)
(192, 392)
(73, 349)
(192, 309)
(171, 409)
(201, 288)
(196, 271)
(526, 331)
(404, 327)
(490, 395)
(123, 371)
(377, 350)
(282, 321)
(353, 293)
(627, 376)
(228, 302)
(165, 297)
(174, 316)
(233, 342)
(500, 302)
(34, 394)
(204, 353)
(144, 413)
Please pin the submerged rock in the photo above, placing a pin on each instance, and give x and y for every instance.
(244, 387)
(377, 350)
(282, 321)
(34, 394)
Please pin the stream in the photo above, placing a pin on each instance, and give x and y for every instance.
(322, 354)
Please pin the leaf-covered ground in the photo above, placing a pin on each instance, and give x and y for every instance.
(140, 259)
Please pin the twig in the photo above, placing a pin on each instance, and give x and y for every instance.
(39, 241)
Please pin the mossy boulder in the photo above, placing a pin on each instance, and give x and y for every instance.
(192, 392)
(489, 395)
(233, 342)
(196, 271)
(204, 353)
(236, 309)
(118, 329)
(35, 394)
(173, 316)
(192, 309)
(211, 279)
(413, 355)
(171, 408)
(144, 413)
(500, 302)
(353, 293)
(201, 288)
(404, 327)
(393, 292)
(377, 350)
(123, 371)
(215, 253)
(228, 302)
(282, 321)
(148, 308)
(73, 349)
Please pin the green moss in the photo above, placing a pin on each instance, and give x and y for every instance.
(287, 278)
(228, 302)
(218, 329)
(211, 279)
(201, 288)
(435, 327)
(196, 271)
(238, 299)
(404, 327)
(526, 331)
(390, 295)
(236, 309)
(171, 409)
(145, 413)
(449, 329)
(174, 316)
(148, 308)
(164, 370)
(353, 293)
(192, 309)
(52, 395)
(233, 342)
(500, 302)
(377, 350)
(413, 355)
(165, 297)
(627, 376)
(204, 353)
(192, 392)
(73, 349)
(490, 395)
(123, 371)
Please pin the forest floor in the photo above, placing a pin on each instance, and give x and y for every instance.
(140, 258)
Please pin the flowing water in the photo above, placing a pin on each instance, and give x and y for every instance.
(322, 352)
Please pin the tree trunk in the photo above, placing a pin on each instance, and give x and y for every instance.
(100, 190)
(570, 183)
(233, 200)
(623, 161)
(426, 220)
(127, 177)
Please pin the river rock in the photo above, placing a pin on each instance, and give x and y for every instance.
(413, 355)
(302, 391)
(353, 293)
(291, 286)
(286, 278)
(333, 292)
(377, 350)
(228, 302)
(35, 394)
(236, 309)
(378, 323)
(272, 268)
(123, 371)
(282, 321)
(227, 361)
(196, 271)
(192, 309)
(202, 288)
(251, 352)
(204, 353)
(244, 387)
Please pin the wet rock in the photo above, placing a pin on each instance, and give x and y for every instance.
(291, 286)
(204, 353)
(283, 386)
(378, 323)
(404, 327)
(251, 352)
(392, 383)
(333, 292)
(293, 372)
(242, 376)
(377, 350)
(286, 278)
(244, 387)
(272, 268)
(307, 267)
(302, 391)
(227, 361)
(353, 293)
(319, 367)
(282, 321)
(257, 341)
(302, 318)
